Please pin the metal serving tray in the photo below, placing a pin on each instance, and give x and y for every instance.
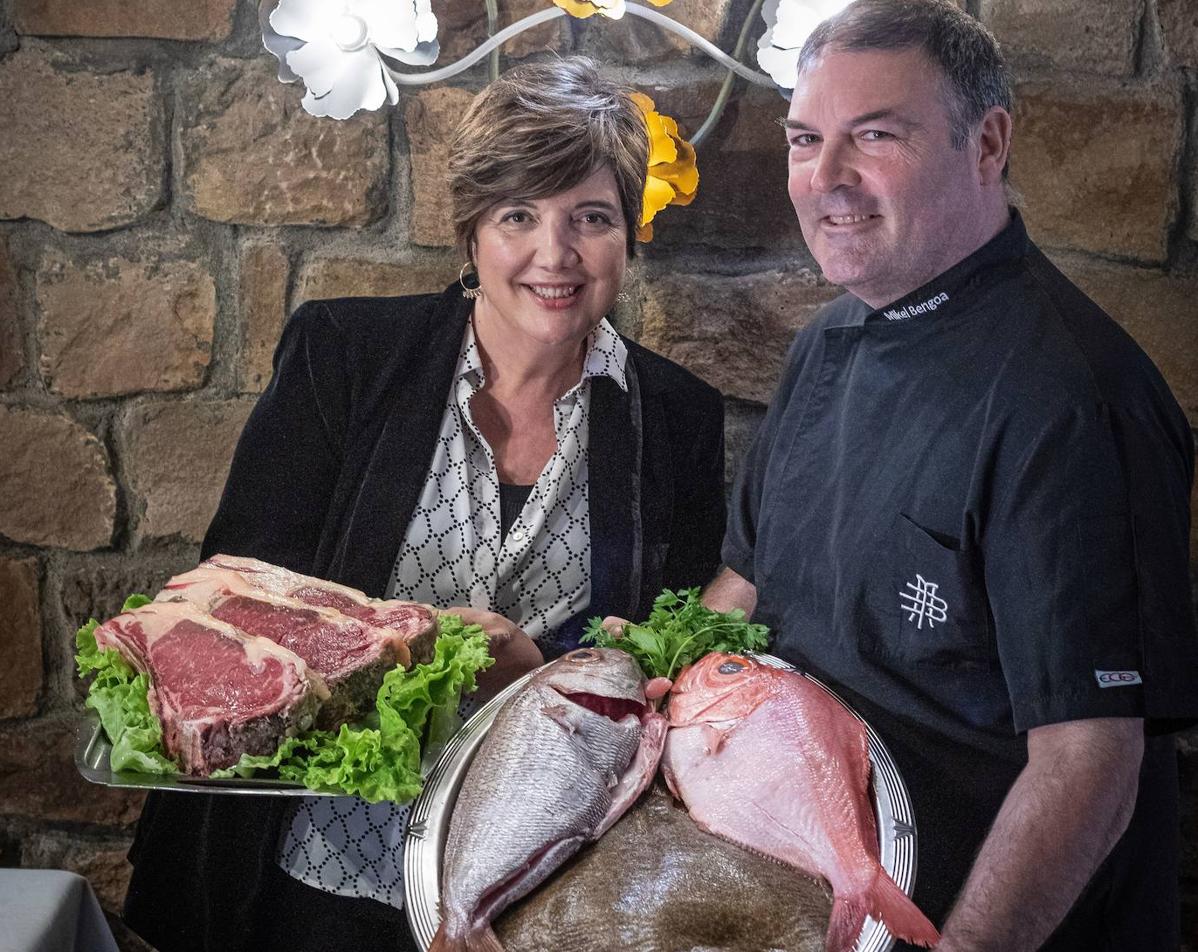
(430, 814)
(92, 750)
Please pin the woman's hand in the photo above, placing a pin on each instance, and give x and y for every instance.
(514, 652)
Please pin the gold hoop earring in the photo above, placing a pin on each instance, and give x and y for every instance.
(468, 292)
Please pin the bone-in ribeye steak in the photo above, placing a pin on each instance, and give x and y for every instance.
(350, 655)
(218, 691)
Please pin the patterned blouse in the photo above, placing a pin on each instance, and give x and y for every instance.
(454, 553)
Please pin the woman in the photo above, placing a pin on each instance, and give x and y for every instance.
(497, 446)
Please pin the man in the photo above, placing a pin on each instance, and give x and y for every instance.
(967, 508)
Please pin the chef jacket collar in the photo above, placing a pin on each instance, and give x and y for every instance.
(950, 292)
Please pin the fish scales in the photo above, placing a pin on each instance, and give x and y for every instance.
(564, 758)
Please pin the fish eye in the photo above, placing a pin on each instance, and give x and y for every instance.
(731, 667)
(582, 654)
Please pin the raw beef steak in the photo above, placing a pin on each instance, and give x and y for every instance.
(350, 655)
(218, 692)
(416, 624)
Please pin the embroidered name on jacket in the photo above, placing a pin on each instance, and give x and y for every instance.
(911, 310)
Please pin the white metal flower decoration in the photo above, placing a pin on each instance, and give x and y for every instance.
(788, 24)
(336, 48)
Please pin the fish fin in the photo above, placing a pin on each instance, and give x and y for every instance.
(848, 915)
(560, 714)
(714, 738)
(443, 943)
(485, 940)
(894, 908)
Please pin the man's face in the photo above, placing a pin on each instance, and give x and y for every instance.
(884, 200)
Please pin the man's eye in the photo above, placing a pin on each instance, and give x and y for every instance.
(875, 135)
(803, 140)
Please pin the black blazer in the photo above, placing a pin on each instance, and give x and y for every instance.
(325, 477)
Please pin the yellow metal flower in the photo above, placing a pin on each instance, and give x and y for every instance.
(614, 9)
(673, 177)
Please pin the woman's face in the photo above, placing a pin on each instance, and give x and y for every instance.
(550, 268)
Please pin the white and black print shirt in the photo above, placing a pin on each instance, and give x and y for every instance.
(538, 576)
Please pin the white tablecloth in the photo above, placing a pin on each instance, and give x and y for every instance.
(48, 910)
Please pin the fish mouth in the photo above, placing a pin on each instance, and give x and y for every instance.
(614, 708)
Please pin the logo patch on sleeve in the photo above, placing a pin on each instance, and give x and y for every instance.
(1117, 679)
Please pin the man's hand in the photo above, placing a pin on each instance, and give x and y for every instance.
(1060, 819)
(728, 590)
(514, 652)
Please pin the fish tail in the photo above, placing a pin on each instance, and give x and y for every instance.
(899, 914)
(482, 940)
(848, 915)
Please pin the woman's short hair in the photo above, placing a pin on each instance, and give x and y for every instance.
(541, 129)
(975, 74)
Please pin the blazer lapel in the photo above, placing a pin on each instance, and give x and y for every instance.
(395, 471)
(613, 460)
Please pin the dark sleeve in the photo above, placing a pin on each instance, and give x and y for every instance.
(744, 510)
(1076, 547)
(699, 510)
(285, 468)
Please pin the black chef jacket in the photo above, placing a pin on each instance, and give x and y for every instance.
(968, 510)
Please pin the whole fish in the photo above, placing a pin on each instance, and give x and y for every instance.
(767, 759)
(563, 760)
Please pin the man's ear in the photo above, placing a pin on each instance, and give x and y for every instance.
(994, 145)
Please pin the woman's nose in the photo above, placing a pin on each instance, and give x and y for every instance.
(558, 246)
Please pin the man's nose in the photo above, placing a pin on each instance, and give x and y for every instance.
(558, 247)
(833, 169)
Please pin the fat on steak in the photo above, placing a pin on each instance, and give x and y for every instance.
(351, 655)
(218, 692)
(415, 624)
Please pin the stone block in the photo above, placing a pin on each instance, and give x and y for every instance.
(1068, 35)
(741, 423)
(703, 322)
(81, 151)
(1157, 309)
(353, 277)
(1179, 30)
(12, 349)
(38, 778)
(103, 864)
(462, 28)
(97, 586)
(21, 674)
(119, 326)
(634, 40)
(431, 116)
(58, 487)
(1096, 163)
(263, 292)
(177, 457)
(251, 155)
(161, 19)
(742, 200)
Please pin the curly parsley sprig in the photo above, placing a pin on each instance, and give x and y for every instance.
(680, 631)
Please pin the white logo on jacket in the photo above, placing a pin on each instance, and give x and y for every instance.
(922, 602)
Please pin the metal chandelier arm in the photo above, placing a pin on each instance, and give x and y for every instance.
(544, 16)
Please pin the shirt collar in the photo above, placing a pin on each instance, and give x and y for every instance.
(606, 356)
(949, 292)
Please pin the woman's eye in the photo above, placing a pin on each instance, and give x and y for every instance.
(516, 217)
(596, 218)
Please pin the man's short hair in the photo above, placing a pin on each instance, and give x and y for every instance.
(975, 74)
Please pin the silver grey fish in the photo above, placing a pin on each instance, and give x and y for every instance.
(564, 759)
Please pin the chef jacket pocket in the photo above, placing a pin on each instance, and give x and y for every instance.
(938, 614)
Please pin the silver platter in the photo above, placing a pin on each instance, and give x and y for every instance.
(92, 751)
(430, 814)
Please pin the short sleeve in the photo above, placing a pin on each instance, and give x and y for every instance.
(1084, 556)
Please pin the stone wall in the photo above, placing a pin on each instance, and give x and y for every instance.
(164, 203)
